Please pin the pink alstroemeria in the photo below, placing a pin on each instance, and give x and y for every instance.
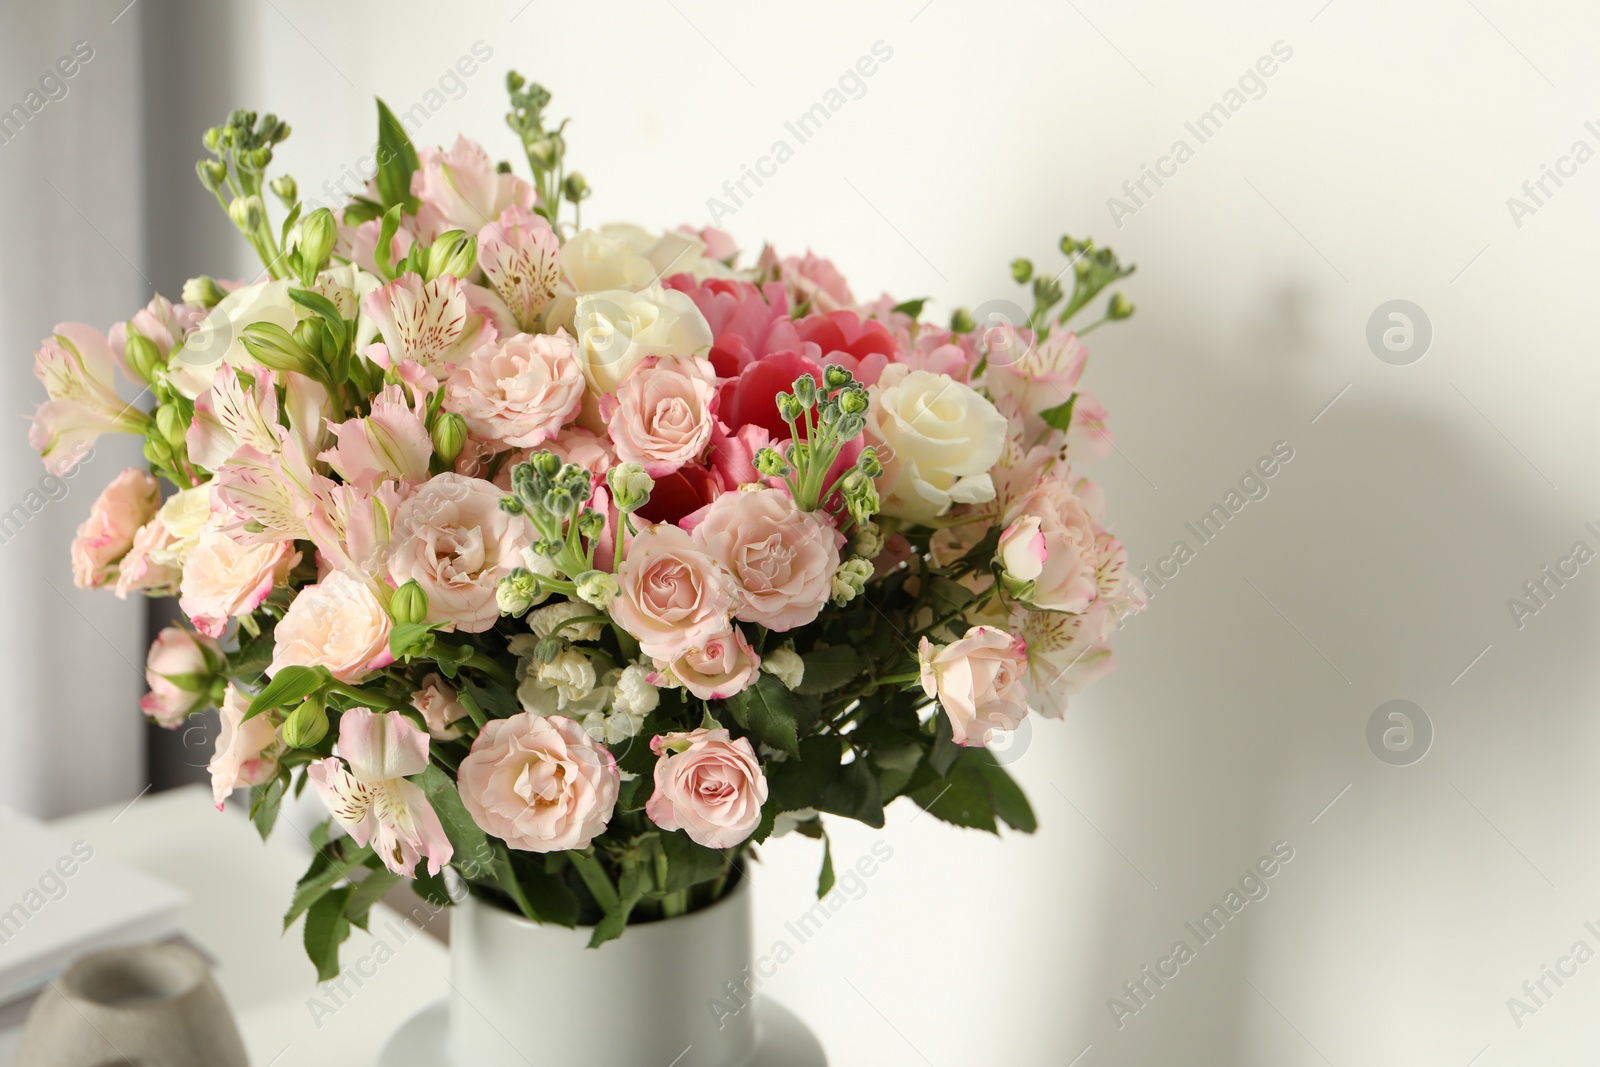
(229, 416)
(391, 442)
(351, 527)
(161, 322)
(430, 322)
(461, 189)
(78, 370)
(518, 255)
(372, 800)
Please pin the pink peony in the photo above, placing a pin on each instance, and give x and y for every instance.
(708, 786)
(373, 801)
(862, 346)
(722, 665)
(781, 559)
(337, 623)
(391, 442)
(519, 393)
(247, 752)
(746, 322)
(663, 414)
(440, 707)
(107, 534)
(539, 783)
(518, 254)
(223, 578)
(178, 669)
(978, 680)
(453, 539)
(460, 189)
(751, 398)
(674, 595)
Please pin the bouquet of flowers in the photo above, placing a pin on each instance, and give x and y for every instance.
(582, 561)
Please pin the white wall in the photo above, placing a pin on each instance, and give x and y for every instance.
(1375, 167)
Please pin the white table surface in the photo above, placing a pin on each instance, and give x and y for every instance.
(238, 889)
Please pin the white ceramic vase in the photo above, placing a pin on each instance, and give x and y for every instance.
(675, 992)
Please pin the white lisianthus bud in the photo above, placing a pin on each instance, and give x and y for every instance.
(634, 694)
(545, 620)
(786, 665)
(631, 486)
(597, 588)
(517, 592)
(850, 580)
(570, 673)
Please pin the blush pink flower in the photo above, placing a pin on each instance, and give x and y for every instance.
(461, 189)
(746, 321)
(391, 442)
(247, 751)
(453, 539)
(155, 561)
(107, 534)
(814, 280)
(978, 680)
(1066, 578)
(359, 244)
(78, 371)
(674, 595)
(722, 665)
(179, 669)
(223, 578)
(1065, 653)
(338, 623)
(539, 783)
(440, 707)
(862, 346)
(1034, 375)
(1022, 550)
(520, 392)
(161, 322)
(432, 323)
(352, 527)
(663, 414)
(373, 800)
(519, 255)
(781, 559)
(708, 786)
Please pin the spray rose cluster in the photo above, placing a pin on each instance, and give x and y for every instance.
(582, 560)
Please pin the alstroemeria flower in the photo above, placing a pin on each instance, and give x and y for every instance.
(390, 442)
(518, 254)
(78, 370)
(430, 322)
(461, 189)
(372, 800)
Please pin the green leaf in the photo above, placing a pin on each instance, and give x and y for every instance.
(912, 307)
(506, 878)
(382, 253)
(799, 783)
(595, 877)
(854, 793)
(411, 638)
(689, 864)
(769, 710)
(1060, 416)
(331, 865)
(473, 855)
(474, 712)
(895, 766)
(290, 685)
(945, 750)
(829, 669)
(360, 209)
(265, 803)
(493, 698)
(549, 896)
(948, 595)
(432, 888)
(630, 889)
(368, 892)
(326, 929)
(397, 161)
(825, 878)
(635, 793)
(322, 306)
(962, 798)
(1006, 796)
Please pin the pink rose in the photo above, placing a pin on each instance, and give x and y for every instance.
(521, 392)
(247, 752)
(460, 189)
(178, 669)
(781, 559)
(577, 445)
(1022, 550)
(105, 536)
(373, 801)
(708, 786)
(390, 442)
(978, 681)
(453, 539)
(674, 596)
(440, 706)
(724, 664)
(155, 560)
(223, 578)
(1066, 577)
(539, 783)
(663, 414)
(518, 254)
(338, 624)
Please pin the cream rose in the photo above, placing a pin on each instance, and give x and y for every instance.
(247, 752)
(155, 562)
(219, 337)
(782, 559)
(179, 670)
(708, 786)
(938, 440)
(106, 536)
(720, 666)
(223, 578)
(978, 680)
(617, 330)
(520, 392)
(338, 624)
(673, 595)
(663, 414)
(538, 783)
(453, 539)
(1063, 537)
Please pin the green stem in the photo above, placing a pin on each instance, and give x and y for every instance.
(488, 666)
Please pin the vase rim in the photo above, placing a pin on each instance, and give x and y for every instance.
(514, 918)
(134, 977)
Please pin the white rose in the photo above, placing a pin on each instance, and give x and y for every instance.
(218, 338)
(938, 440)
(612, 257)
(617, 329)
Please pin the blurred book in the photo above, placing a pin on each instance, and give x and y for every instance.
(60, 899)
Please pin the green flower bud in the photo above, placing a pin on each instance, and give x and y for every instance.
(454, 253)
(1119, 308)
(850, 426)
(409, 603)
(868, 462)
(248, 213)
(575, 188)
(789, 408)
(836, 377)
(631, 486)
(828, 414)
(850, 579)
(171, 423)
(307, 724)
(212, 138)
(546, 463)
(868, 540)
(157, 451)
(212, 173)
(317, 234)
(591, 523)
(143, 357)
(286, 190)
(517, 591)
(449, 436)
(1021, 270)
(805, 391)
(597, 588)
(961, 321)
(559, 502)
(202, 292)
(854, 401)
(771, 464)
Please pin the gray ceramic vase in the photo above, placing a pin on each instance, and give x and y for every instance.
(144, 1006)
